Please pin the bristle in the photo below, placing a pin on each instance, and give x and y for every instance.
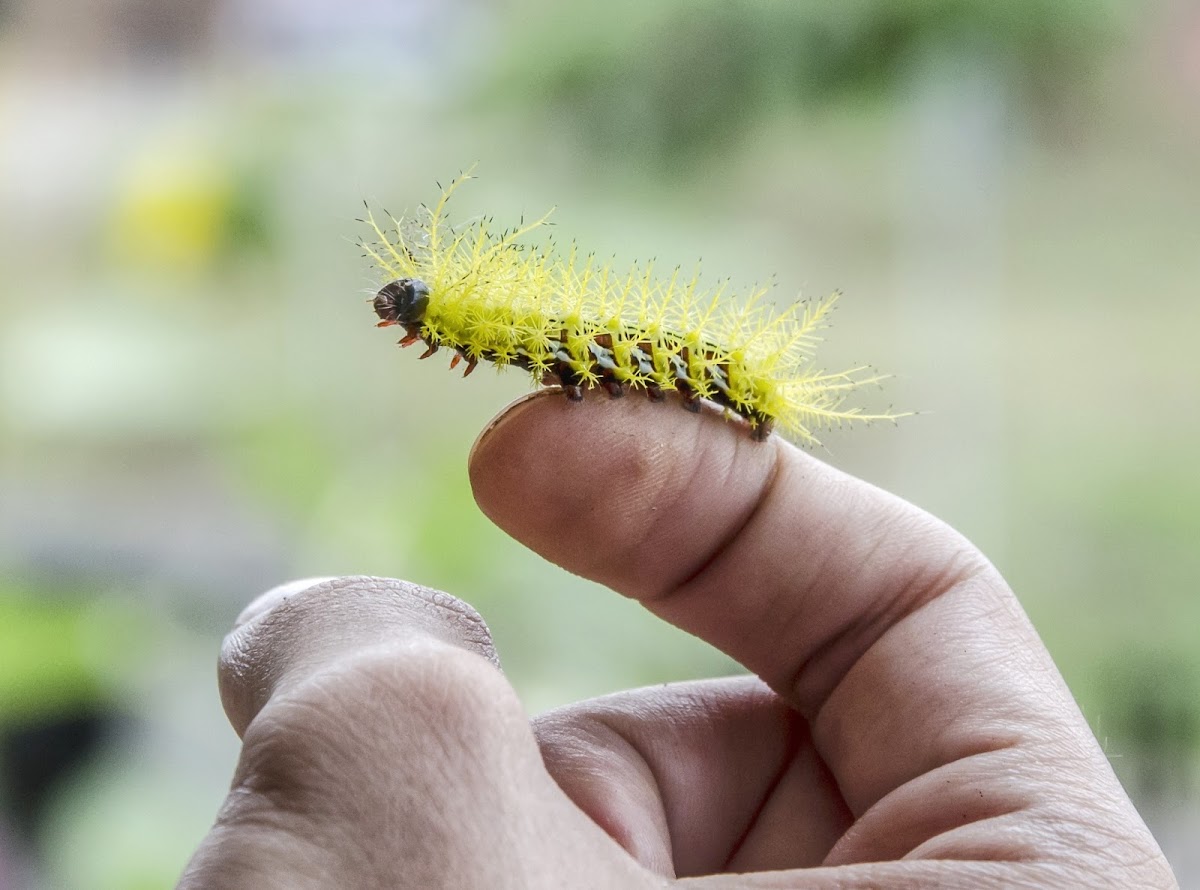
(493, 296)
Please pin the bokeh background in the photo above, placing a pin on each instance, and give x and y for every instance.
(194, 404)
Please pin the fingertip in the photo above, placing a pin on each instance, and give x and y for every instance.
(506, 448)
(267, 601)
(296, 630)
(612, 487)
(509, 412)
(757, 547)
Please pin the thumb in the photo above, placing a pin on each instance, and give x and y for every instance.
(382, 747)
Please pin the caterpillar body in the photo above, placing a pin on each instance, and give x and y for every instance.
(570, 320)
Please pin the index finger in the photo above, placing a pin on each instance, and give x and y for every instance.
(882, 625)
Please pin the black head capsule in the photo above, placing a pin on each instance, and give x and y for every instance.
(402, 301)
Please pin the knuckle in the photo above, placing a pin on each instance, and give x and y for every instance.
(386, 711)
(330, 621)
(429, 676)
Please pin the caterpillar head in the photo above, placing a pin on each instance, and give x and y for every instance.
(402, 301)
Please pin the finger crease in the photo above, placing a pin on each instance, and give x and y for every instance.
(726, 543)
(791, 748)
(915, 596)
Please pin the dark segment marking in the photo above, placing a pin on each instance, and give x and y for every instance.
(523, 360)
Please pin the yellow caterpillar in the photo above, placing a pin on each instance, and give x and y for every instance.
(570, 320)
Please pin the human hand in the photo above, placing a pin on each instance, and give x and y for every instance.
(906, 727)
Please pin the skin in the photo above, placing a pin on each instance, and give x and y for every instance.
(903, 727)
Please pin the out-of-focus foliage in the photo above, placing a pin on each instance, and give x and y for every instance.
(182, 212)
(1150, 694)
(55, 654)
(195, 405)
(663, 82)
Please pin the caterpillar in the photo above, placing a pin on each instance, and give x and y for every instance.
(571, 320)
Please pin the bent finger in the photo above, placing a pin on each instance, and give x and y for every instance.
(879, 623)
(383, 747)
(293, 631)
(699, 777)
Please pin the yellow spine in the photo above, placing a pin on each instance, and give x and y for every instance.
(493, 296)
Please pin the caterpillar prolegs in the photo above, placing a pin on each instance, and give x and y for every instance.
(572, 321)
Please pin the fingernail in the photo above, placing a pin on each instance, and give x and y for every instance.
(508, 412)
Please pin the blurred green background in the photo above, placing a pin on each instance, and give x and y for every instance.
(195, 406)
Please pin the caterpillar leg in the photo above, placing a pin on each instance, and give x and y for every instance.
(761, 430)
(472, 363)
(432, 348)
(572, 385)
(691, 401)
(614, 388)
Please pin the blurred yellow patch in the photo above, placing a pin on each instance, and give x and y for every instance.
(58, 655)
(172, 212)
